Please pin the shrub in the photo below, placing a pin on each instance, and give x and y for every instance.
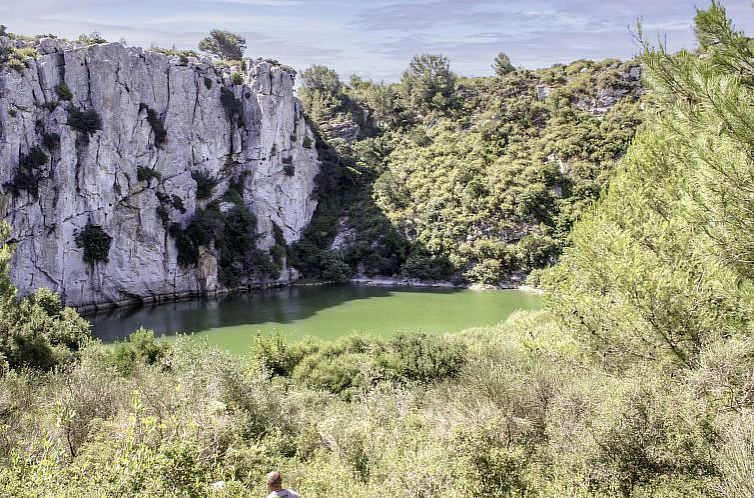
(141, 347)
(274, 356)
(334, 268)
(208, 83)
(28, 173)
(164, 215)
(51, 140)
(233, 107)
(288, 166)
(84, 121)
(63, 91)
(145, 174)
(95, 242)
(237, 79)
(307, 143)
(93, 38)
(16, 57)
(426, 266)
(51, 105)
(205, 183)
(158, 127)
(178, 203)
(423, 358)
(187, 251)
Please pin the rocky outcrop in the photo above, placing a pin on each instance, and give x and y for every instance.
(162, 118)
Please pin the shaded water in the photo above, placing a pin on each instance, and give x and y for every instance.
(326, 312)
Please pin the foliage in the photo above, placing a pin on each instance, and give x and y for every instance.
(63, 91)
(232, 233)
(95, 242)
(205, 183)
(37, 331)
(428, 83)
(84, 121)
(183, 55)
(145, 174)
(232, 105)
(672, 272)
(28, 173)
(141, 347)
(486, 175)
(15, 57)
(502, 65)
(158, 127)
(92, 38)
(223, 44)
(237, 78)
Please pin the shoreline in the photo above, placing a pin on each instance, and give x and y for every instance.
(157, 300)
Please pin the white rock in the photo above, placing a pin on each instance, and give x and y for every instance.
(98, 183)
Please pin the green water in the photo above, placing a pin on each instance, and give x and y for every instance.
(326, 312)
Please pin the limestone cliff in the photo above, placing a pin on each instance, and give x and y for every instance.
(130, 177)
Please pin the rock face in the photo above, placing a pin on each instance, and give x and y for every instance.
(248, 128)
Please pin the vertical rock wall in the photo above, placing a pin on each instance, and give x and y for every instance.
(93, 179)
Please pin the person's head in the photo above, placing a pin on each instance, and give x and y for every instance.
(274, 481)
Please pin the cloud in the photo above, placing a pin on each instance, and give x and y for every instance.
(378, 38)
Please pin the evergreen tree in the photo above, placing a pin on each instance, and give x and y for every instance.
(428, 83)
(502, 65)
(664, 266)
(224, 44)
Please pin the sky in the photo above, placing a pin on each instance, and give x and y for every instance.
(377, 38)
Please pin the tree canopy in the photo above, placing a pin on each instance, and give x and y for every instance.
(224, 44)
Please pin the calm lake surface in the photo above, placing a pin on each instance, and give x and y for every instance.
(326, 312)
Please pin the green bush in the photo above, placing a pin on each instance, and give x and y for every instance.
(145, 174)
(158, 127)
(232, 105)
(51, 140)
(423, 265)
(63, 91)
(208, 83)
(334, 269)
(141, 347)
(84, 121)
(95, 242)
(37, 331)
(288, 167)
(178, 203)
(236, 79)
(205, 183)
(28, 174)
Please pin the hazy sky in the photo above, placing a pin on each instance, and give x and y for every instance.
(376, 38)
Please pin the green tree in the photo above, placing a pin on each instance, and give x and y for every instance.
(502, 65)
(428, 83)
(662, 268)
(224, 44)
(321, 92)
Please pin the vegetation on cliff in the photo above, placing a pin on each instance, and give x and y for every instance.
(473, 179)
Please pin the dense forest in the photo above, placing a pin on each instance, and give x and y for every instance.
(475, 180)
(637, 379)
